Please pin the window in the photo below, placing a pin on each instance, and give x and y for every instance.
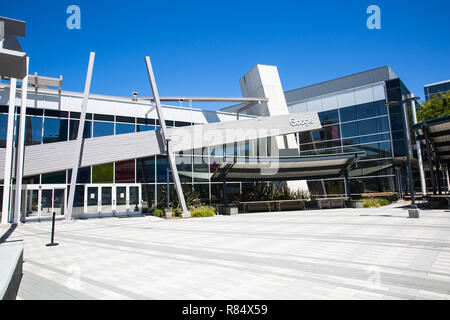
(122, 128)
(125, 171)
(3, 129)
(102, 129)
(380, 107)
(382, 124)
(103, 173)
(366, 110)
(161, 172)
(54, 178)
(349, 129)
(73, 130)
(33, 133)
(397, 122)
(367, 126)
(329, 117)
(84, 175)
(143, 127)
(145, 170)
(348, 113)
(55, 130)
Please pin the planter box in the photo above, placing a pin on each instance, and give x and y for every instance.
(230, 210)
(354, 204)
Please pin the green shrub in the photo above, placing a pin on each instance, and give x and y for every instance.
(375, 202)
(159, 213)
(176, 212)
(267, 191)
(192, 198)
(204, 211)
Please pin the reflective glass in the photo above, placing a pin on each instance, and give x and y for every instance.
(349, 129)
(380, 107)
(3, 129)
(382, 124)
(366, 110)
(103, 173)
(145, 170)
(33, 133)
(122, 128)
(367, 126)
(329, 117)
(125, 171)
(83, 176)
(348, 113)
(161, 170)
(143, 127)
(102, 129)
(73, 130)
(55, 130)
(54, 178)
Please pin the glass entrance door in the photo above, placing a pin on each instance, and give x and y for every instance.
(40, 202)
(106, 201)
(127, 199)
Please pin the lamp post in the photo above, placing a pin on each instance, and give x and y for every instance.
(413, 211)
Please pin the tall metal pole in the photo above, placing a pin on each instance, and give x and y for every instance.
(79, 141)
(419, 150)
(170, 155)
(409, 149)
(21, 146)
(9, 152)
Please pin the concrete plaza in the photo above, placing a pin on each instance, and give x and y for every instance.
(327, 254)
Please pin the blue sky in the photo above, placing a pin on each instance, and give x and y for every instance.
(205, 47)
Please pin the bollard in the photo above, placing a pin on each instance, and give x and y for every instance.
(52, 243)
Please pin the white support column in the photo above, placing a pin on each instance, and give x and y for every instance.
(79, 140)
(9, 153)
(21, 147)
(170, 155)
(419, 150)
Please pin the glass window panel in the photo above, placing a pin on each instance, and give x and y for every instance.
(55, 130)
(184, 166)
(145, 170)
(367, 126)
(399, 148)
(365, 110)
(372, 150)
(33, 133)
(73, 130)
(3, 129)
(382, 124)
(83, 176)
(329, 117)
(203, 192)
(122, 128)
(385, 150)
(201, 169)
(182, 124)
(397, 122)
(54, 178)
(380, 107)
(349, 129)
(348, 113)
(148, 196)
(125, 171)
(368, 139)
(103, 173)
(102, 129)
(383, 137)
(161, 172)
(351, 141)
(143, 127)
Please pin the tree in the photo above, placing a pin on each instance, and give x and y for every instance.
(437, 107)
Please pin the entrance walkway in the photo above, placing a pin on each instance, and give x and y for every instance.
(326, 254)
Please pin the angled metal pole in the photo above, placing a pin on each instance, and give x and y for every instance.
(21, 147)
(79, 141)
(9, 152)
(170, 155)
(419, 150)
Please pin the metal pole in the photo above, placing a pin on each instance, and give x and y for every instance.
(419, 150)
(9, 152)
(77, 158)
(409, 150)
(21, 146)
(170, 155)
(52, 242)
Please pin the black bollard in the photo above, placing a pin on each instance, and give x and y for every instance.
(52, 243)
